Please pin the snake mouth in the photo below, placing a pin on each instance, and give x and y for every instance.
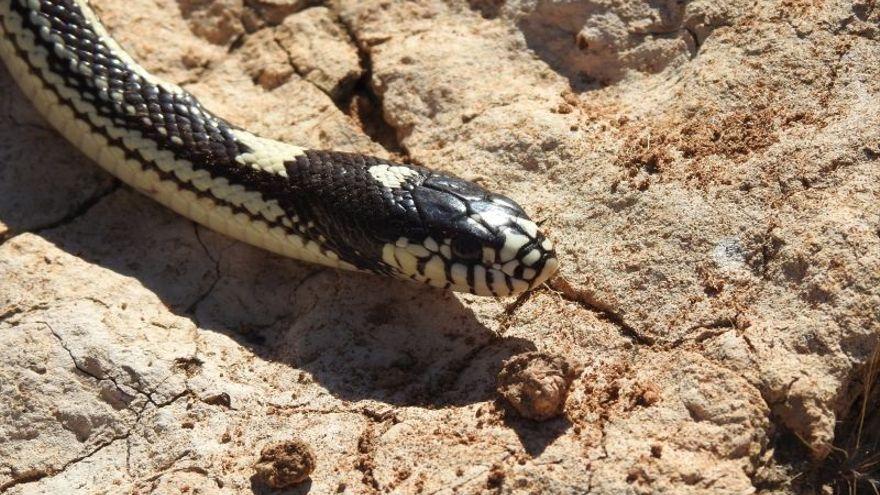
(512, 268)
(549, 265)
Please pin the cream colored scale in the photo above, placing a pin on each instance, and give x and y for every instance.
(268, 155)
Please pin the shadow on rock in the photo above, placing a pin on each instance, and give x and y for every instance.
(258, 488)
(534, 436)
(359, 336)
(43, 179)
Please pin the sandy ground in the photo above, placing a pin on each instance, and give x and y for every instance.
(708, 169)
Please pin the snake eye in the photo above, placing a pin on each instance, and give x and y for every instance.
(467, 248)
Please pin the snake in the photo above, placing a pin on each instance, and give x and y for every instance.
(343, 210)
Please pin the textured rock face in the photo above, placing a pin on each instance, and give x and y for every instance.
(709, 171)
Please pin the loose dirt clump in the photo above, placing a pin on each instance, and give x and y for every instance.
(285, 464)
(536, 384)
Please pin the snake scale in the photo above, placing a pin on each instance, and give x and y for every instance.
(343, 210)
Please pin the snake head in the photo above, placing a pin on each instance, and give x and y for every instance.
(471, 241)
(415, 224)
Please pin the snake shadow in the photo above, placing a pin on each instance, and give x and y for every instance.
(361, 337)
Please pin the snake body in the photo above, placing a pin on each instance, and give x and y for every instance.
(343, 210)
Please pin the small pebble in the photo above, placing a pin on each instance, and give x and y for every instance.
(536, 384)
(285, 464)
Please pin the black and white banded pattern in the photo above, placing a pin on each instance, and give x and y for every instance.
(342, 210)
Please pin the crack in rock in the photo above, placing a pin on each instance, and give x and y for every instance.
(148, 395)
(570, 293)
(33, 476)
(38, 475)
(80, 211)
(369, 113)
(73, 215)
(192, 309)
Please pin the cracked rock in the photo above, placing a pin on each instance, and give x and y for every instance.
(321, 51)
(217, 21)
(265, 60)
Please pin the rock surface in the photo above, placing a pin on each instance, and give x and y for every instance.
(708, 169)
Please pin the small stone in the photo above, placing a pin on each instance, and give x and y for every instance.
(285, 464)
(221, 399)
(536, 384)
(274, 12)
